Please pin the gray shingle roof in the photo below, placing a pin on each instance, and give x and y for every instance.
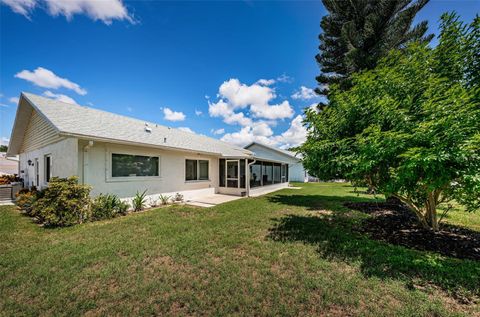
(87, 122)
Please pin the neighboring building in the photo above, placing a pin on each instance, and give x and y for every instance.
(121, 155)
(296, 172)
(8, 165)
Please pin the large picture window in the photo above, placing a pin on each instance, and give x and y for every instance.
(126, 165)
(196, 170)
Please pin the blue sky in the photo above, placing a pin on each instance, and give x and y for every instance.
(231, 70)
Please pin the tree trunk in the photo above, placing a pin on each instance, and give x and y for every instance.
(431, 211)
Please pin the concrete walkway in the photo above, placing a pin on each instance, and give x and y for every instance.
(210, 201)
(6, 203)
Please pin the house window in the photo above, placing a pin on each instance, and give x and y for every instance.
(48, 168)
(196, 170)
(125, 165)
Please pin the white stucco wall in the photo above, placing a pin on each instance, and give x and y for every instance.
(94, 168)
(64, 161)
(296, 172)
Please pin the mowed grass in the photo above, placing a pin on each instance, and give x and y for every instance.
(288, 253)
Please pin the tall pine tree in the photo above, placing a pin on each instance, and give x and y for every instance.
(357, 33)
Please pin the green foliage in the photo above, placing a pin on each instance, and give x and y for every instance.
(356, 34)
(25, 200)
(138, 202)
(410, 127)
(107, 206)
(164, 199)
(3, 148)
(63, 203)
(7, 179)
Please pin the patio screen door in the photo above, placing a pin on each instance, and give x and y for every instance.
(232, 173)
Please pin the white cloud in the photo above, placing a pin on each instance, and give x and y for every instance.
(171, 115)
(314, 107)
(304, 93)
(237, 118)
(103, 10)
(23, 7)
(295, 135)
(246, 136)
(186, 129)
(272, 112)
(261, 132)
(265, 82)
(198, 112)
(4, 140)
(45, 78)
(261, 129)
(129, 109)
(218, 131)
(284, 78)
(13, 100)
(59, 97)
(233, 95)
(3, 105)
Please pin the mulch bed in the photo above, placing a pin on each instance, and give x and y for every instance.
(397, 225)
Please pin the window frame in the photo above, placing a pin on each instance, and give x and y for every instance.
(109, 170)
(197, 180)
(48, 168)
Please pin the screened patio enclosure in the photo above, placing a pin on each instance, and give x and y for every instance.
(234, 172)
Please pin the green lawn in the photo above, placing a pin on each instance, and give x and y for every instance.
(288, 253)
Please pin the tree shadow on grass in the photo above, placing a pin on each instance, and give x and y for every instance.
(332, 235)
(317, 202)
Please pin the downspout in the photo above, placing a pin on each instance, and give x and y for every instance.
(85, 161)
(247, 178)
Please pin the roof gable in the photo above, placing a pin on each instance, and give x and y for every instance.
(271, 149)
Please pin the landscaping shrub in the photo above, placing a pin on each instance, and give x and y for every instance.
(7, 179)
(138, 202)
(25, 200)
(63, 203)
(107, 206)
(164, 199)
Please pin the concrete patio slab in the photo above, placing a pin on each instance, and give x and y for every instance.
(212, 200)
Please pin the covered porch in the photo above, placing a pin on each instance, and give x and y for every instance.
(247, 176)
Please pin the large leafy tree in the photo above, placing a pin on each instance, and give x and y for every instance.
(357, 33)
(410, 127)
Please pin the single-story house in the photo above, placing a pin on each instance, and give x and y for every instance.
(121, 155)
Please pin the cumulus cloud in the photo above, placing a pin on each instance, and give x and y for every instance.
(265, 82)
(304, 93)
(103, 10)
(59, 97)
(171, 115)
(234, 95)
(295, 135)
(45, 78)
(218, 131)
(186, 129)
(261, 132)
(13, 100)
(198, 112)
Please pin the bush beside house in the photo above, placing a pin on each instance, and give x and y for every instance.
(65, 202)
